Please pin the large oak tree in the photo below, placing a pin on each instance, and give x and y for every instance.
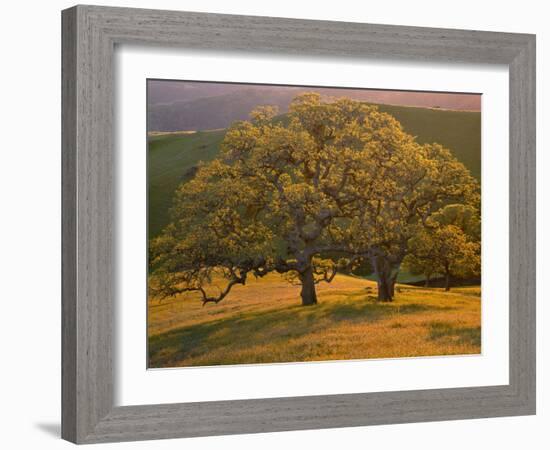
(307, 194)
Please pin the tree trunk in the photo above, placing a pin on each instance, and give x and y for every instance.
(447, 281)
(427, 281)
(393, 280)
(309, 296)
(384, 289)
(383, 273)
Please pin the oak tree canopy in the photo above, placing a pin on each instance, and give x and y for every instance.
(329, 186)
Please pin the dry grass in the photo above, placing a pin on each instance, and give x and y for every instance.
(263, 322)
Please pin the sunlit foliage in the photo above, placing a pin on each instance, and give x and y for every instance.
(330, 186)
(448, 245)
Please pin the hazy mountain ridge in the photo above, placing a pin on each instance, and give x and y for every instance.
(213, 112)
(219, 111)
(168, 91)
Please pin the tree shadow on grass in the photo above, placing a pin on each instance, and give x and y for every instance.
(460, 335)
(267, 327)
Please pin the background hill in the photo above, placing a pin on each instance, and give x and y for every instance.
(172, 156)
(197, 106)
(170, 161)
(214, 112)
(191, 105)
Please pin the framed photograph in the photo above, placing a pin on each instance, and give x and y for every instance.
(277, 224)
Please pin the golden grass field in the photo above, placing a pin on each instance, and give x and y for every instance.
(263, 322)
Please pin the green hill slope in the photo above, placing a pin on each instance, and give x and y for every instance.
(459, 131)
(170, 160)
(171, 157)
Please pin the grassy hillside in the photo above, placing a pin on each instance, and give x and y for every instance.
(169, 159)
(460, 131)
(172, 155)
(263, 322)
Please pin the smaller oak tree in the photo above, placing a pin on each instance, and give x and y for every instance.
(449, 245)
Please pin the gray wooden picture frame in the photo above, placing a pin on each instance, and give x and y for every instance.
(90, 34)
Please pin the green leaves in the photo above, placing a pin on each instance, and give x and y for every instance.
(337, 178)
(448, 245)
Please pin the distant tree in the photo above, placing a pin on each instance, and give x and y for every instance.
(448, 244)
(308, 195)
(465, 216)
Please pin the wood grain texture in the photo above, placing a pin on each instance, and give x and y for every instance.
(68, 226)
(522, 283)
(89, 37)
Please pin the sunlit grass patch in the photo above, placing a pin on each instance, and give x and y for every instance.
(263, 322)
(455, 333)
